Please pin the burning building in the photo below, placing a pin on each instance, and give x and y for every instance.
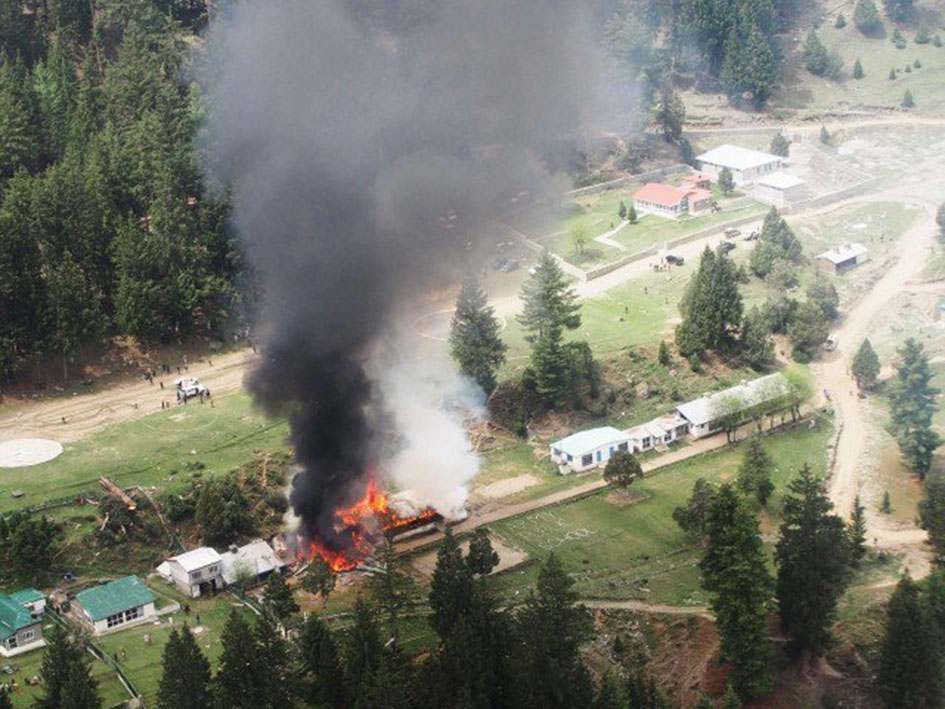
(354, 157)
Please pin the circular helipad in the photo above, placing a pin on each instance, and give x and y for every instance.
(23, 452)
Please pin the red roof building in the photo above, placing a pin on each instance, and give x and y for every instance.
(664, 200)
(696, 181)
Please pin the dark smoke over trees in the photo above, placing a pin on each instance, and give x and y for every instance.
(365, 162)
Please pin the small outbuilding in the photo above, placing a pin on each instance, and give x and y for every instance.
(746, 166)
(250, 563)
(780, 189)
(588, 449)
(697, 180)
(195, 572)
(114, 606)
(842, 258)
(21, 622)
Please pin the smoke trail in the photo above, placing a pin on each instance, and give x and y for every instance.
(365, 165)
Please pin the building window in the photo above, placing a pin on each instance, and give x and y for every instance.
(27, 635)
(622, 447)
(116, 619)
(197, 574)
(587, 460)
(133, 613)
(668, 437)
(646, 442)
(11, 643)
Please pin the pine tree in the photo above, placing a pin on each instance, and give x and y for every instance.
(65, 670)
(808, 331)
(735, 572)
(776, 243)
(932, 515)
(913, 404)
(450, 587)
(858, 69)
(389, 587)
(481, 557)
(610, 694)
(662, 355)
(824, 296)
(321, 664)
(711, 307)
(669, 113)
(754, 475)
(886, 507)
(840, 22)
(779, 145)
(898, 9)
(363, 648)
(632, 214)
(865, 366)
(910, 670)
(693, 518)
(79, 691)
(726, 181)
(825, 137)
(857, 532)
(816, 58)
(185, 677)
(549, 308)
(474, 337)
(278, 598)
(272, 661)
(622, 469)
(907, 100)
(755, 343)
(750, 65)
(866, 17)
(812, 557)
(238, 679)
(622, 210)
(19, 146)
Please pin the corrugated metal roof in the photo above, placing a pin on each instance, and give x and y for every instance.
(13, 617)
(735, 157)
(115, 597)
(658, 193)
(704, 409)
(585, 442)
(197, 558)
(257, 557)
(27, 595)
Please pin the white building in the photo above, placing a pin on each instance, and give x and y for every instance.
(747, 166)
(250, 563)
(115, 606)
(195, 572)
(842, 258)
(780, 189)
(705, 414)
(588, 449)
(658, 432)
(21, 622)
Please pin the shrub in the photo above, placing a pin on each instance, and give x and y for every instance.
(824, 135)
(816, 58)
(907, 100)
(694, 364)
(866, 17)
(841, 22)
(892, 74)
(936, 41)
(898, 40)
(922, 36)
(917, 64)
(857, 69)
(908, 69)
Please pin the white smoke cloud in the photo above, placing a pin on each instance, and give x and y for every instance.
(430, 404)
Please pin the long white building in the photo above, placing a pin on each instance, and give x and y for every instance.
(746, 165)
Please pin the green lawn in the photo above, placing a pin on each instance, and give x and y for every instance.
(110, 688)
(153, 450)
(636, 550)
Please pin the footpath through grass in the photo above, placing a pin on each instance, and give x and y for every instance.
(632, 549)
(153, 450)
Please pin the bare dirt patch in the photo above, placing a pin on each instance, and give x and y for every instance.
(23, 452)
(624, 498)
(506, 487)
(508, 557)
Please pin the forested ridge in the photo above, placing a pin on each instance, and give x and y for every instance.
(106, 226)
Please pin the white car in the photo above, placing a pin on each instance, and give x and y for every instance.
(189, 388)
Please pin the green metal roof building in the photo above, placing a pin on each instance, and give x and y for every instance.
(114, 605)
(21, 624)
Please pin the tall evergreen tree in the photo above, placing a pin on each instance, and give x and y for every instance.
(776, 243)
(865, 366)
(19, 142)
(238, 680)
(669, 113)
(363, 648)
(755, 342)
(754, 474)
(812, 556)
(322, 665)
(911, 670)
(549, 308)
(273, 687)
(750, 69)
(866, 17)
(932, 515)
(389, 587)
(735, 572)
(816, 58)
(693, 518)
(857, 532)
(779, 145)
(474, 336)
(898, 9)
(185, 676)
(65, 671)
(726, 181)
(278, 598)
(711, 307)
(481, 558)
(450, 587)
(913, 404)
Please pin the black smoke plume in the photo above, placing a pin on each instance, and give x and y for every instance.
(366, 162)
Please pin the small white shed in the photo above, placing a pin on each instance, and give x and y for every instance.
(780, 189)
(195, 572)
(588, 449)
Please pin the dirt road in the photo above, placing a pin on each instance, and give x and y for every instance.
(69, 419)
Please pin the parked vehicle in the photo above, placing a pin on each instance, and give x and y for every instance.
(831, 344)
(190, 388)
(731, 232)
(675, 259)
(752, 235)
(726, 246)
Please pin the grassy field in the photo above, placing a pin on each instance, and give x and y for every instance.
(636, 550)
(878, 55)
(153, 450)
